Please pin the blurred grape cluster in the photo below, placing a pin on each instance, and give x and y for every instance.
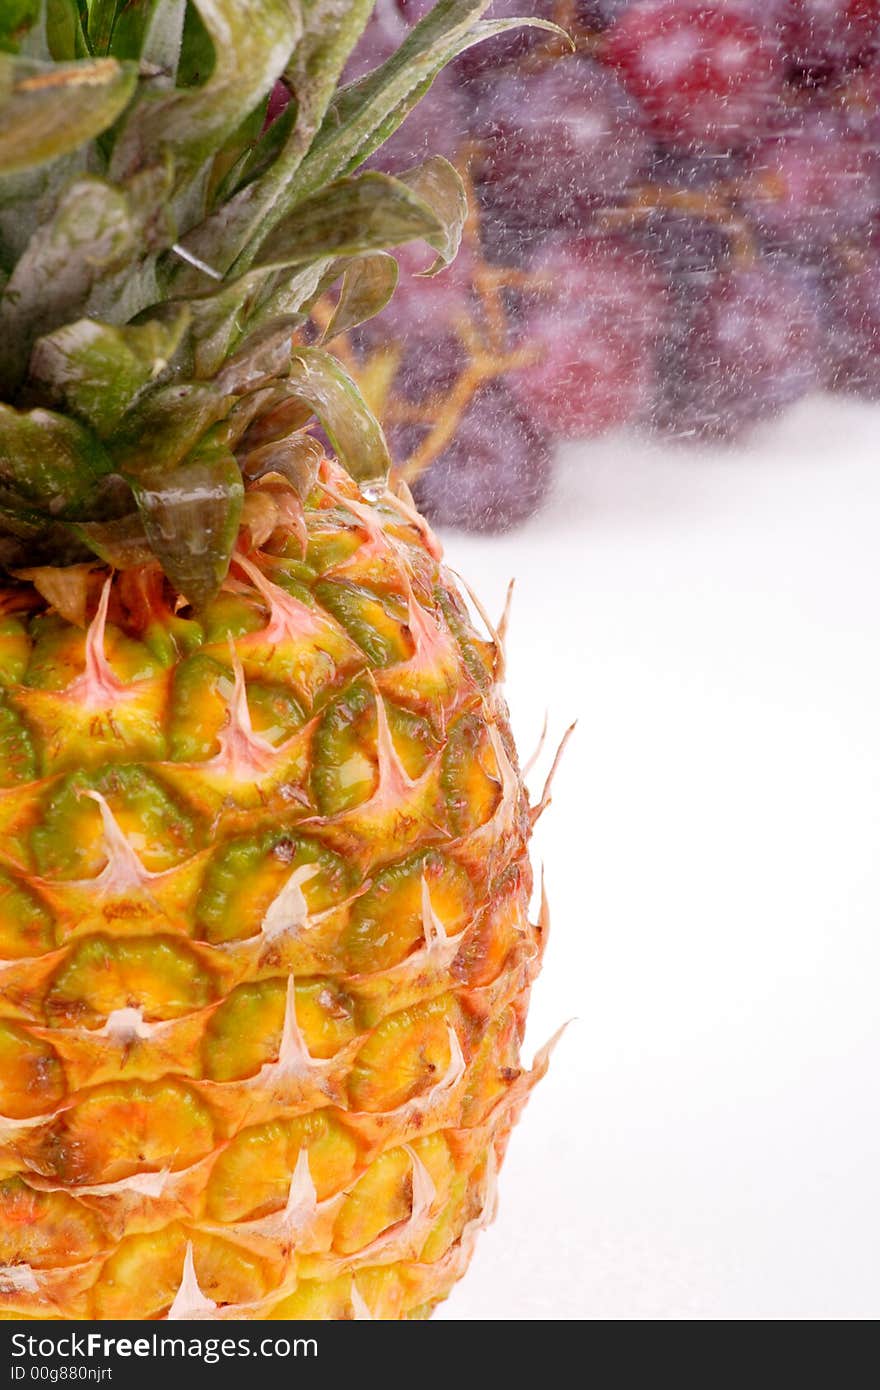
(676, 226)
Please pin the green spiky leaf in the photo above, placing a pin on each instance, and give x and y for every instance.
(191, 514)
(160, 252)
(23, 542)
(357, 438)
(362, 213)
(367, 285)
(51, 461)
(164, 429)
(48, 109)
(221, 320)
(364, 114)
(295, 457)
(121, 543)
(151, 31)
(65, 36)
(439, 185)
(16, 18)
(99, 370)
(355, 123)
(353, 217)
(69, 266)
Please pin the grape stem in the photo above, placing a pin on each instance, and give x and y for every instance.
(482, 367)
(711, 207)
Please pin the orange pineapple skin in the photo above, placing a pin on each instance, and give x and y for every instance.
(265, 952)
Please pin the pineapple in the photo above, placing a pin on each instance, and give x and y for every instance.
(264, 945)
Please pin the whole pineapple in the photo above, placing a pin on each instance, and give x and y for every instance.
(264, 946)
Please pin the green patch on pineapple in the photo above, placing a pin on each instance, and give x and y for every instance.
(245, 1032)
(197, 709)
(70, 843)
(160, 975)
(203, 687)
(387, 922)
(469, 779)
(229, 616)
(376, 624)
(17, 758)
(331, 547)
(56, 657)
(345, 752)
(479, 656)
(15, 650)
(344, 768)
(27, 927)
(246, 875)
(275, 711)
(173, 638)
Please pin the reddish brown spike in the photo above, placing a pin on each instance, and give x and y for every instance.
(542, 926)
(401, 499)
(537, 811)
(494, 634)
(539, 749)
(141, 594)
(504, 620)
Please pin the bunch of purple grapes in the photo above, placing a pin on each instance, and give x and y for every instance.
(679, 221)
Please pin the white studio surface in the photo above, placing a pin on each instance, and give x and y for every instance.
(707, 1142)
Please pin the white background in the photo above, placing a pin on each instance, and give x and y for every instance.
(707, 1143)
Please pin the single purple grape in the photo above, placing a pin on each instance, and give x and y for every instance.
(854, 307)
(821, 39)
(496, 472)
(593, 321)
(555, 144)
(705, 75)
(748, 346)
(506, 240)
(686, 171)
(813, 186)
(860, 113)
(685, 234)
(683, 247)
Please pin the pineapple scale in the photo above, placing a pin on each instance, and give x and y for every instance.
(264, 943)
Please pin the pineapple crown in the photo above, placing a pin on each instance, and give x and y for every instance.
(161, 247)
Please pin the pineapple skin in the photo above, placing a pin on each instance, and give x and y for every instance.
(265, 953)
